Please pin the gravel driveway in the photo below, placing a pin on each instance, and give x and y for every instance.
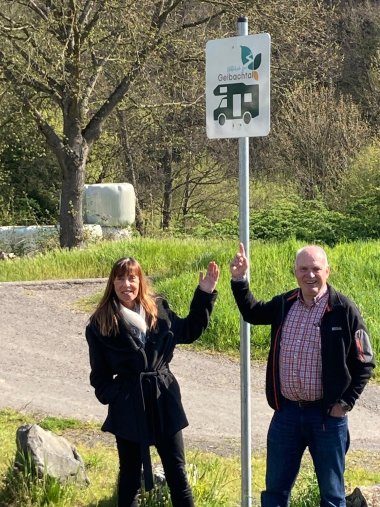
(44, 369)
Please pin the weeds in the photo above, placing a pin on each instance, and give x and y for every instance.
(24, 487)
(215, 480)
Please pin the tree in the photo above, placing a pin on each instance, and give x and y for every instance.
(319, 134)
(57, 55)
(29, 174)
(162, 127)
(358, 30)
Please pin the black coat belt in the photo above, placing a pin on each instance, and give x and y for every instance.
(155, 376)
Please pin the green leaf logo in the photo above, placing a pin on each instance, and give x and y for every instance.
(257, 62)
(247, 57)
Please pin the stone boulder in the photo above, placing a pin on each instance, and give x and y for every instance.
(364, 496)
(49, 454)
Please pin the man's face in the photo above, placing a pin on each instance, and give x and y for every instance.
(312, 272)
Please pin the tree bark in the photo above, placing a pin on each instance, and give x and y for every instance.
(167, 168)
(71, 222)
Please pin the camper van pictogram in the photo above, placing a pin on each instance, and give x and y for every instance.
(239, 101)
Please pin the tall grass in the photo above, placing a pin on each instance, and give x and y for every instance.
(24, 487)
(215, 480)
(159, 258)
(174, 265)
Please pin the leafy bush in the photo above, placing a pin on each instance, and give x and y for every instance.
(359, 193)
(306, 221)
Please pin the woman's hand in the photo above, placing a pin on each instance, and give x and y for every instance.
(208, 282)
(239, 264)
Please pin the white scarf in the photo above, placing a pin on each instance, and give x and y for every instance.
(135, 321)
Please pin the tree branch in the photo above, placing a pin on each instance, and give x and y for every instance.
(43, 13)
(26, 80)
(158, 21)
(202, 21)
(88, 26)
(51, 137)
(182, 105)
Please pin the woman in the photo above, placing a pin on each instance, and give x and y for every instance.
(131, 336)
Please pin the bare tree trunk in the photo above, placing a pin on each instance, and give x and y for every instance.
(186, 198)
(127, 158)
(167, 168)
(72, 155)
(71, 218)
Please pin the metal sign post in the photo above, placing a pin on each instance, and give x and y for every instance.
(245, 344)
(238, 105)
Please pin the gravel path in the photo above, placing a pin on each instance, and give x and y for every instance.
(44, 369)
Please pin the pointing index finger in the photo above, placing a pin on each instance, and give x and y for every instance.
(242, 249)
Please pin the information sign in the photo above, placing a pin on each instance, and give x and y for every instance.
(238, 86)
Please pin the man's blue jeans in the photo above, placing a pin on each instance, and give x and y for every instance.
(292, 429)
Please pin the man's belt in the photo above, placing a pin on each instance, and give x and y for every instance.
(305, 403)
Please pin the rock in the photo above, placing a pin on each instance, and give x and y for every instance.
(49, 454)
(160, 491)
(159, 479)
(116, 233)
(364, 496)
(4, 256)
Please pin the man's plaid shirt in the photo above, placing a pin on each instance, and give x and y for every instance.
(300, 350)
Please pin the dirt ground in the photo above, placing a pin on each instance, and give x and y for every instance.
(44, 369)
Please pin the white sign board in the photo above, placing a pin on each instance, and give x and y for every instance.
(238, 86)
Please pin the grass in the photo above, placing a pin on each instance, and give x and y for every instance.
(215, 479)
(174, 265)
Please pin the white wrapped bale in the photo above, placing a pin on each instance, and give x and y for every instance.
(109, 204)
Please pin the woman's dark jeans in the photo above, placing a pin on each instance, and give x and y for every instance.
(172, 454)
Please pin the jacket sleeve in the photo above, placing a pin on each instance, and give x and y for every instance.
(101, 376)
(190, 328)
(360, 360)
(252, 310)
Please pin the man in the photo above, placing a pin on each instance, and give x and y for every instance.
(319, 362)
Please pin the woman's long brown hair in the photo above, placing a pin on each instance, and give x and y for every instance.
(107, 315)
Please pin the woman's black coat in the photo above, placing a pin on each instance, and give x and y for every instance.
(142, 394)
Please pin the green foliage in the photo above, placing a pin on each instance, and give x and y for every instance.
(359, 192)
(308, 221)
(174, 265)
(29, 178)
(42, 241)
(304, 220)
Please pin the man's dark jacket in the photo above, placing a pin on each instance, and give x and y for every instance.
(135, 381)
(347, 357)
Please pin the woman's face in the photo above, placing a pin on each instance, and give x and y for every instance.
(127, 288)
